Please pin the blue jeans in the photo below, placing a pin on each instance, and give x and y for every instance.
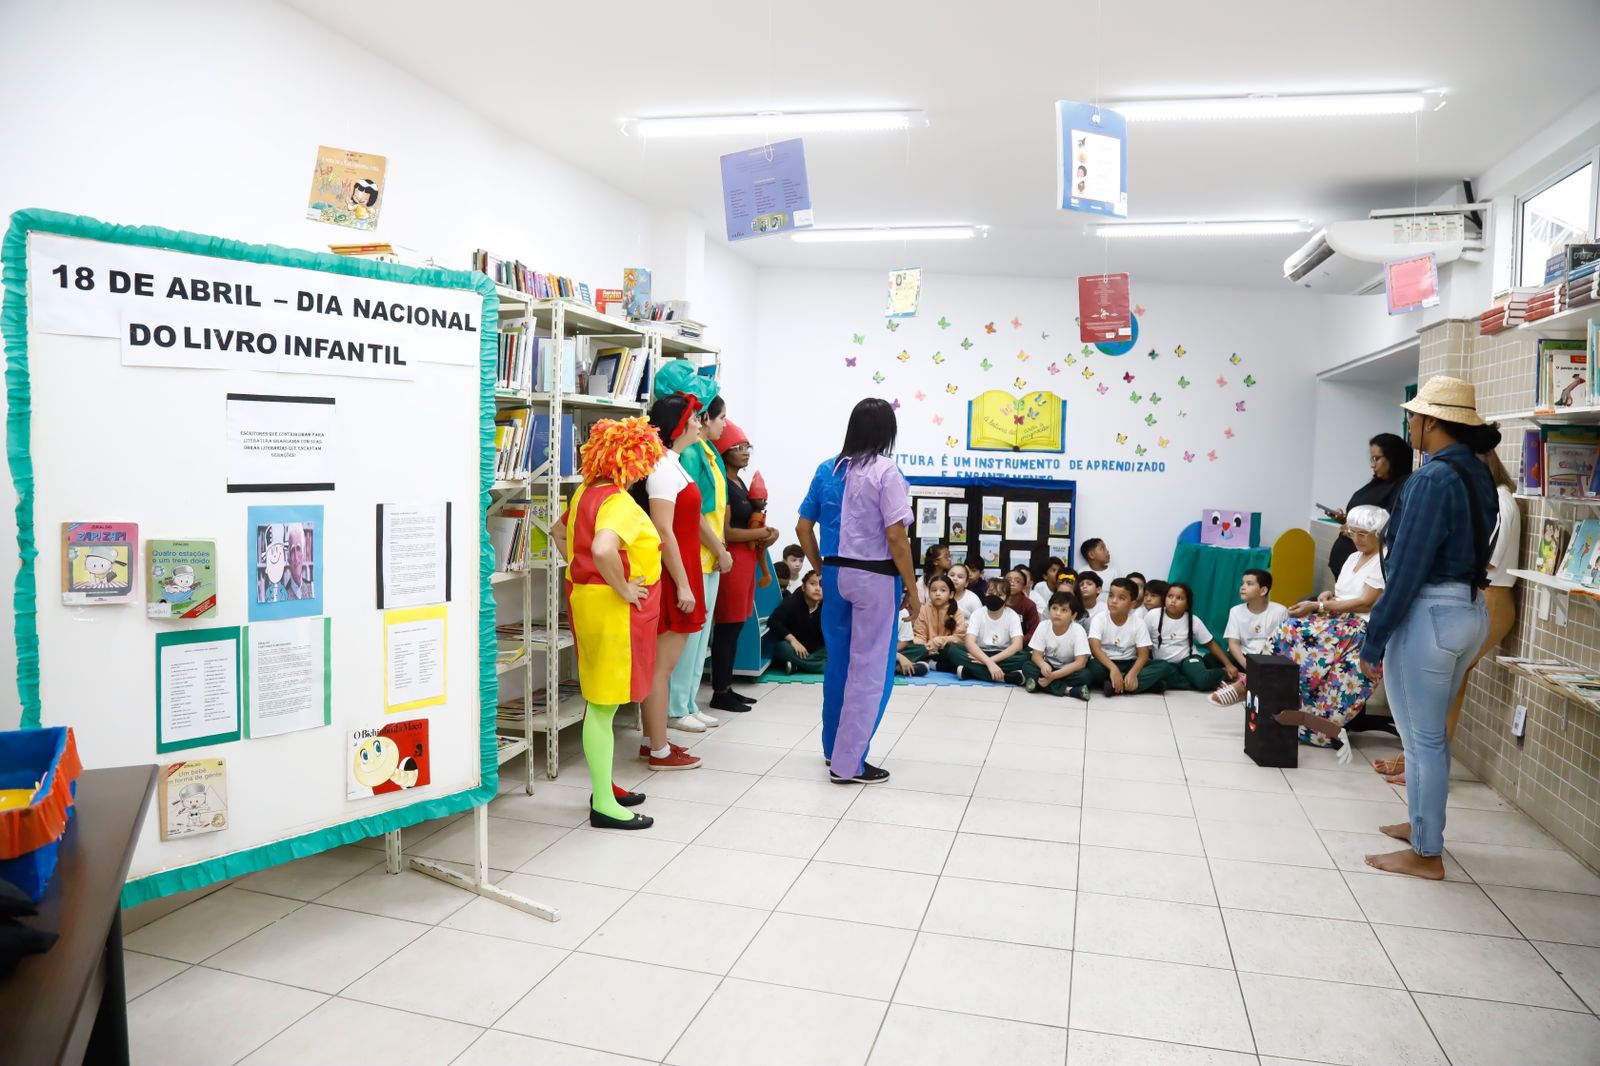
(1425, 663)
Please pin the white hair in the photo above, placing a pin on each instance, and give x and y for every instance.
(1366, 519)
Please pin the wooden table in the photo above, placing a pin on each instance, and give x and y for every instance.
(69, 1005)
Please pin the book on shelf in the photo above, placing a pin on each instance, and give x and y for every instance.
(1561, 374)
(549, 353)
(1580, 563)
(513, 274)
(539, 443)
(1574, 680)
(1570, 460)
(1532, 462)
(610, 301)
(1552, 536)
(635, 291)
(511, 443)
(514, 366)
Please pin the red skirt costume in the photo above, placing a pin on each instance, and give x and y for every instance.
(616, 643)
(736, 596)
(686, 531)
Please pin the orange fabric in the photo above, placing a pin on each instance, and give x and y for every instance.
(30, 828)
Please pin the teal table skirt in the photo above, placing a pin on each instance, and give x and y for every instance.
(1214, 574)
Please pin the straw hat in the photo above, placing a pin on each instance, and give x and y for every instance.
(1447, 399)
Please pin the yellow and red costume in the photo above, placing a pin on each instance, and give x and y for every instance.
(616, 643)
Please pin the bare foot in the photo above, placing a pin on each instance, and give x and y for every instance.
(1399, 832)
(1397, 779)
(1408, 862)
(1391, 767)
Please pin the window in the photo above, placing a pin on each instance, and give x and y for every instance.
(1561, 212)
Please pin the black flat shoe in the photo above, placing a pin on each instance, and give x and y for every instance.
(727, 701)
(605, 821)
(869, 775)
(631, 799)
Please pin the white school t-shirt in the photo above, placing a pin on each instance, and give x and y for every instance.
(970, 603)
(1353, 578)
(1041, 598)
(993, 634)
(1252, 630)
(907, 630)
(1507, 540)
(1106, 576)
(1097, 611)
(1174, 646)
(668, 478)
(1119, 642)
(1059, 649)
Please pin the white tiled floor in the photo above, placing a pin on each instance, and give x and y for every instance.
(1039, 883)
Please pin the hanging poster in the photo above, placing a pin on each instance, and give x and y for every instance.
(197, 688)
(930, 518)
(958, 523)
(905, 293)
(1104, 311)
(1022, 520)
(1411, 284)
(288, 677)
(1091, 159)
(280, 443)
(413, 658)
(1060, 519)
(182, 579)
(993, 509)
(345, 188)
(285, 546)
(97, 561)
(989, 550)
(765, 191)
(388, 757)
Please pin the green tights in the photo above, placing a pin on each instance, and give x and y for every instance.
(598, 745)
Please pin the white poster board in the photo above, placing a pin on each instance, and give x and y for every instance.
(110, 436)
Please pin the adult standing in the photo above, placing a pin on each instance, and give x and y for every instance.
(613, 596)
(1390, 459)
(1431, 620)
(1497, 598)
(736, 599)
(673, 501)
(862, 503)
(704, 465)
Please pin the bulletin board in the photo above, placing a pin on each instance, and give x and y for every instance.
(106, 424)
(949, 495)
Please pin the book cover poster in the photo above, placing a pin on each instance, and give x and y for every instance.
(346, 188)
(1022, 520)
(1411, 284)
(989, 550)
(181, 581)
(97, 561)
(958, 523)
(388, 757)
(765, 190)
(930, 519)
(905, 293)
(193, 796)
(993, 511)
(1060, 549)
(1091, 159)
(1104, 310)
(1060, 519)
(285, 565)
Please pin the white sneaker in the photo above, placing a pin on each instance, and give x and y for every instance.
(688, 723)
(705, 719)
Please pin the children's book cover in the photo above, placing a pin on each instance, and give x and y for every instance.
(193, 796)
(905, 294)
(1000, 422)
(181, 581)
(993, 512)
(989, 551)
(1585, 541)
(285, 545)
(97, 561)
(1060, 519)
(390, 757)
(1551, 538)
(635, 291)
(957, 513)
(345, 188)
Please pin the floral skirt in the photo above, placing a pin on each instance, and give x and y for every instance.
(1327, 649)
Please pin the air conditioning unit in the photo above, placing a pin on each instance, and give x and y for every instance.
(1348, 257)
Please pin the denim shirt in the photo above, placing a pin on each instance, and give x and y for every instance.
(1430, 538)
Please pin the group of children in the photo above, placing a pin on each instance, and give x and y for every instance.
(1070, 633)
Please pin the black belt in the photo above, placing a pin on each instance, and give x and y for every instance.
(885, 567)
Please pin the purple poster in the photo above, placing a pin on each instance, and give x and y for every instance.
(764, 190)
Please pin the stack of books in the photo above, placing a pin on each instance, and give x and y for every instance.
(383, 253)
(511, 443)
(1571, 680)
(514, 368)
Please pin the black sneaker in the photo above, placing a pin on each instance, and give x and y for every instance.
(1016, 677)
(919, 669)
(788, 667)
(961, 673)
(727, 701)
(1028, 683)
(869, 775)
(1078, 692)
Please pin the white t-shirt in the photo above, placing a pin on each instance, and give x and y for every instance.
(1106, 576)
(1098, 609)
(1353, 578)
(993, 634)
(1141, 612)
(1059, 650)
(1119, 642)
(1252, 630)
(667, 479)
(1507, 539)
(970, 604)
(1041, 598)
(1174, 646)
(906, 630)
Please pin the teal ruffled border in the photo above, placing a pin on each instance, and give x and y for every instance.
(14, 331)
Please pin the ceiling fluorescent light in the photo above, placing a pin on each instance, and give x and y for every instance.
(775, 123)
(1253, 228)
(888, 233)
(1271, 105)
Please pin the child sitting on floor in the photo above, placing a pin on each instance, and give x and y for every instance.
(993, 649)
(968, 602)
(794, 557)
(1060, 651)
(1049, 584)
(1155, 596)
(907, 656)
(1139, 610)
(796, 625)
(1174, 633)
(1250, 628)
(1017, 598)
(1089, 586)
(1120, 645)
(939, 623)
(1098, 559)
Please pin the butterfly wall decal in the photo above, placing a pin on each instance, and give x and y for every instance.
(1122, 438)
(1135, 397)
(1022, 357)
(938, 357)
(1239, 406)
(966, 342)
(895, 405)
(988, 327)
(860, 338)
(1138, 449)
(1072, 360)
(1179, 351)
(1138, 309)
(1228, 432)
(877, 377)
(1019, 382)
(1249, 381)
(1086, 350)
(1102, 388)
(1162, 442)
(938, 420)
(1154, 398)
(1127, 377)
(1053, 369)
(1222, 382)
(1018, 419)
(919, 395)
(1016, 323)
(1152, 353)
(1043, 335)
(1183, 414)
(1188, 457)
(1234, 359)
(952, 388)
(1087, 373)
(986, 365)
(1149, 420)
(1183, 383)
(849, 360)
(904, 356)
(891, 325)
(944, 323)
(1212, 455)
(951, 442)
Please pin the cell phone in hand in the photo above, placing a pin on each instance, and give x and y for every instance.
(1325, 509)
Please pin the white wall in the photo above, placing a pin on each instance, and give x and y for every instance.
(807, 323)
(207, 118)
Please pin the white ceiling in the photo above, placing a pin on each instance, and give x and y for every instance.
(988, 76)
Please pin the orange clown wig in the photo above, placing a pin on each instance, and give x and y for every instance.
(621, 451)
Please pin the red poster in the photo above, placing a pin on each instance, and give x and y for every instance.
(1411, 284)
(1103, 308)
